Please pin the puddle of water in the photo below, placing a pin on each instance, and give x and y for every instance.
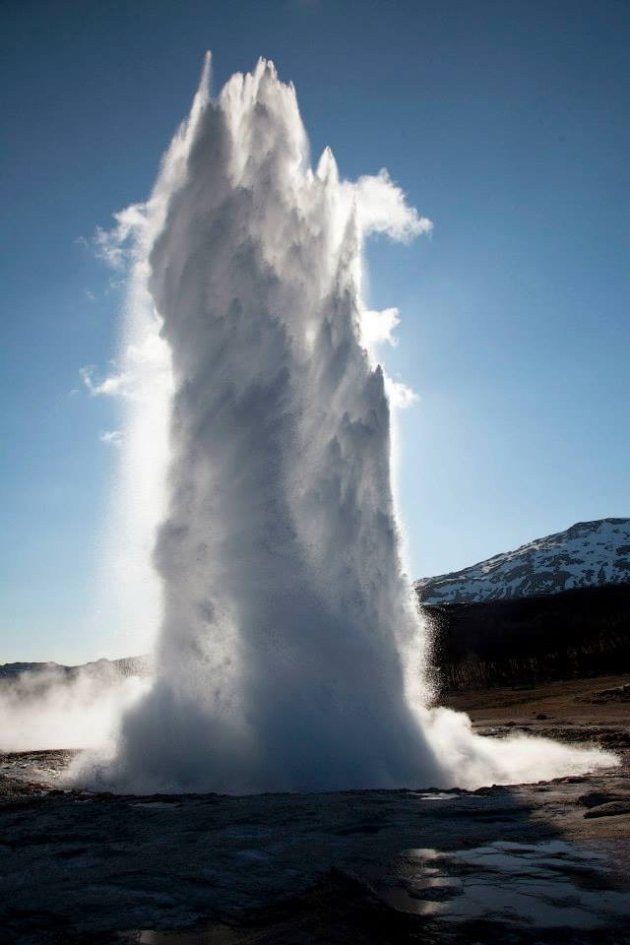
(515, 883)
(156, 805)
(434, 796)
(217, 935)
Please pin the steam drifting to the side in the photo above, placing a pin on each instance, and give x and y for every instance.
(291, 652)
(57, 707)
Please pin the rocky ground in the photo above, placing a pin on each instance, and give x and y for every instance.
(547, 863)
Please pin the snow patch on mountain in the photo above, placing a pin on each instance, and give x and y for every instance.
(589, 554)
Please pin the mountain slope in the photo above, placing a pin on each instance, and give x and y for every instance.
(589, 554)
(55, 672)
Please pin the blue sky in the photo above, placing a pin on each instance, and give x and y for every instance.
(505, 122)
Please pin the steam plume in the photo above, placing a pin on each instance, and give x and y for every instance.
(291, 653)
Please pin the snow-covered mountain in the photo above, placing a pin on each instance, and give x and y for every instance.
(589, 554)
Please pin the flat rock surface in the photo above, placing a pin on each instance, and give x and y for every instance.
(581, 711)
(543, 863)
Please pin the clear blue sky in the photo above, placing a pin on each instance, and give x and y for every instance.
(507, 123)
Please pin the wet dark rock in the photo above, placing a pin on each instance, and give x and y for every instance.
(610, 809)
(362, 867)
(596, 798)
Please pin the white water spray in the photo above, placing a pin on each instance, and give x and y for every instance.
(291, 652)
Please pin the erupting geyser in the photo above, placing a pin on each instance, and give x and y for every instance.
(291, 653)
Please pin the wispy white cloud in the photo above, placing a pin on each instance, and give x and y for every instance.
(400, 395)
(113, 246)
(114, 385)
(382, 208)
(147, 358)
(111, 437)
(378, 327)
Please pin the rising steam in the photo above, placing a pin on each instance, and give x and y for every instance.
(291, 654)
(54, 706)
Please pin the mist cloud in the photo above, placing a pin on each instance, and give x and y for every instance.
(53, 708)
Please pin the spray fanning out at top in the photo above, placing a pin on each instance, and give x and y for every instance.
(291, 654)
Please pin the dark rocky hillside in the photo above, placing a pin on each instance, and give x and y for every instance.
(490, 628)
(585, 632)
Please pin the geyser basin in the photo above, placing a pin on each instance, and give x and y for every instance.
(291, 652)
(359, 867)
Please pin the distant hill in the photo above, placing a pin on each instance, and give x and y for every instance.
(589, 554)
(107, 669)
(555, 608)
